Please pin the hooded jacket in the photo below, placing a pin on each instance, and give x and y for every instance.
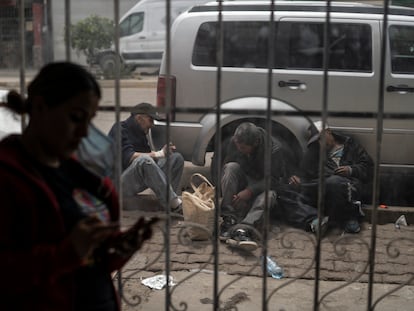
(354, 156)
(254, 165)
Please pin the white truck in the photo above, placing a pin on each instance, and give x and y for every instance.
(142, 35)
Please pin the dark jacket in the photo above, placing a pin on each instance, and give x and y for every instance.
(38, 260)
(254, 165)
(133, 139)
(354, 156)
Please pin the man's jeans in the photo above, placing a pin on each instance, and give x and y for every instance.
(250, 213)
(145, 173)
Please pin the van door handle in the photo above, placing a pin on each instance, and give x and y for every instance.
(142, 37)
(293, 84)
(401, 89)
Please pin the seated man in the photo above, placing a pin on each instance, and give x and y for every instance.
(243, 184)
(142, 167)
(347, 167)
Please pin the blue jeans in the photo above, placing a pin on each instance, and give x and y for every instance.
(145, 173)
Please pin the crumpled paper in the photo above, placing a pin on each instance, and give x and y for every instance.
(158, 281)
(401, 221)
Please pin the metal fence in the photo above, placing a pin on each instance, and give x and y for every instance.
(360, 253)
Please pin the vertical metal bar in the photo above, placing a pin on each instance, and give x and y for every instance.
(168, 114)
(267, 157)
(322, 152)
(219, 60)
(49, 23)
(376, 183)
(118, 139)
(67, 30)
(22, 54)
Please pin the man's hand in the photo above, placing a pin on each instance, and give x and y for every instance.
(171, 147)
(343, 171)
(243, 195)
(294, 180)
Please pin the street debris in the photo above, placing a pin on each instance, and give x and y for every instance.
(158, 281)
(401, 221)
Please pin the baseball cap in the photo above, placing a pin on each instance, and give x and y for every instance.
(315, 131)
(146, 108)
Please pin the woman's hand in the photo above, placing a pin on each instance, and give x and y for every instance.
(88, 234)
(132, 240)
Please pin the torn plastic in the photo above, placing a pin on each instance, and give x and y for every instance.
(401, 221)
(158, 281)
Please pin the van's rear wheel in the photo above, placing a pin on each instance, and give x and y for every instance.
(108, 65)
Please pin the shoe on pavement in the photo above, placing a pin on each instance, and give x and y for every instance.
(178, 209)
(226, 227)
(242, 239)
(352, 226)
(314, 225)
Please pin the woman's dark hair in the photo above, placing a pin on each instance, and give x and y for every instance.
(56, 83)
(247, 133)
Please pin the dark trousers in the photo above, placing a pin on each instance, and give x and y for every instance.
(340, 193)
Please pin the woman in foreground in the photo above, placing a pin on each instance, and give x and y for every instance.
(58, 250)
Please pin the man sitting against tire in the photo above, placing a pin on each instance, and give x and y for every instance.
(243, 184)
(144, 168)
(347, 167)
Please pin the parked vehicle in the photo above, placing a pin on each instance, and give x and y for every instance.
(142, 35)
(297, 79)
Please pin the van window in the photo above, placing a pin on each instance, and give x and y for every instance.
(402, 49)
(132, 24)
(297, 45)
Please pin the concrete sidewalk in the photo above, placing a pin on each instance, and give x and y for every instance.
(344, 258)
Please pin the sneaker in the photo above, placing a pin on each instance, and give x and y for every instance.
(226, 226)
(352, 226)
(178, 209)
(241, 239)
(314, 225)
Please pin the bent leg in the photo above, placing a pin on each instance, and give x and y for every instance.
(255, 215)
(145, 173)
(176, 162)
(232, 182)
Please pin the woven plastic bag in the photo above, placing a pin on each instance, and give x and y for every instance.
(198, 208)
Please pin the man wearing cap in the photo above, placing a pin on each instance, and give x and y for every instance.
(347, 167)
(142, 167)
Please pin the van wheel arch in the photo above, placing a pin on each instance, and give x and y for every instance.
(290, 145)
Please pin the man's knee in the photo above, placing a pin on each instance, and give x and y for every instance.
(143, 159)
(231, 167)
(177, 159)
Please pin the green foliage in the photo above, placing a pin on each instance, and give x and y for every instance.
(92, 34)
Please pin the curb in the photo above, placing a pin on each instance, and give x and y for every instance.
(389, 214)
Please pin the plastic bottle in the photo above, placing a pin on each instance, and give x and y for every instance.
(273, 269)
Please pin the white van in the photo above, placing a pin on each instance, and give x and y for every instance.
(143, 34)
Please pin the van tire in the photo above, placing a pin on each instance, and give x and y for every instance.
(108, 65)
